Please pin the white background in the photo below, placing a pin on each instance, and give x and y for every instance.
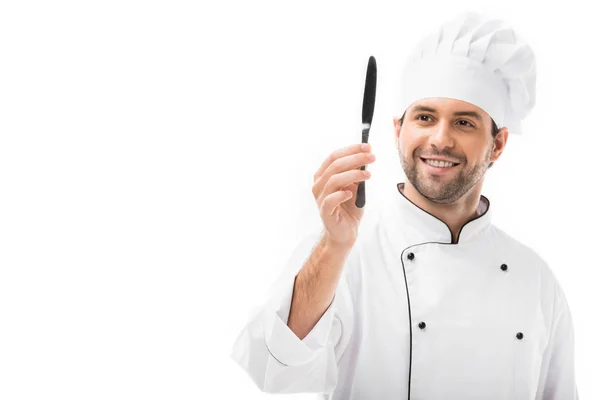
(156, 161)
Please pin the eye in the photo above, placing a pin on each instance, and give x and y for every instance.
(464, 120)
(423, 115)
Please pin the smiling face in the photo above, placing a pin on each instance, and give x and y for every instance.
(451, 130)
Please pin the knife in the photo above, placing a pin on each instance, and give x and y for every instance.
(367, 118)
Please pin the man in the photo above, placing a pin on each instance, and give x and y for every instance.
(429, 299)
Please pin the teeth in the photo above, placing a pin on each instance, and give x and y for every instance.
(439, 164)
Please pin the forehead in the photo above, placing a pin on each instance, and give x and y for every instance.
(444, 104)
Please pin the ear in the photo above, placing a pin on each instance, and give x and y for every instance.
(499, 143)
(397, 126)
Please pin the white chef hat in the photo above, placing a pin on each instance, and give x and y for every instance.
(474, 59)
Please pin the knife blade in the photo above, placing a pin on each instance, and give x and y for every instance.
(367, 118)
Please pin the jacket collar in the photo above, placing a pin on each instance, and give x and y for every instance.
(405, 219)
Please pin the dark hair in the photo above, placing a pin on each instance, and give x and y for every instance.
(495, 128)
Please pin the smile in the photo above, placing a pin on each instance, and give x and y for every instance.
(438, 167)
(437, 163)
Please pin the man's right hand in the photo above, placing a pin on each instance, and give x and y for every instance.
(334, 189)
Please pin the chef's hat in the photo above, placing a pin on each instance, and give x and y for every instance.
(474, 59)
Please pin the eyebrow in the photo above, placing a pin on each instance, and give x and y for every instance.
(473, 114)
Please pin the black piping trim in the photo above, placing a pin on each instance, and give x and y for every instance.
(409, 323)
(406, 282)
(450, 230)
(409, 309)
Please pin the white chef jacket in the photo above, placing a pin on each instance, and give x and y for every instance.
(416, 317)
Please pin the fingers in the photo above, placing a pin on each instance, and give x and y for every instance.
(329, 181)
(339, 153)
(339, 182)
(333, 201)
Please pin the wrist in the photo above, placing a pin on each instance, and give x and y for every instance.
(338, 247)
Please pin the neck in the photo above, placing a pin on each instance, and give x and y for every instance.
(456, 214)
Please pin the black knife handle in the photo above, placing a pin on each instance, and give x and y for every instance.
(360, 192)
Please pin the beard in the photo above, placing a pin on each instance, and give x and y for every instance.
(443, 189)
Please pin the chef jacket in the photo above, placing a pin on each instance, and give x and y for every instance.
(415, 316)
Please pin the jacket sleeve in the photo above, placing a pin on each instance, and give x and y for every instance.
(557, 376)
(271, 353)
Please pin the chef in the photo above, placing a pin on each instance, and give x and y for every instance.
(433, 301)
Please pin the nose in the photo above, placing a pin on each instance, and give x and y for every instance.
(441, 136)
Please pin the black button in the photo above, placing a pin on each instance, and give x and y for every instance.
(411, 256)
(422, 325)
(519, 336)
(503, 267)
